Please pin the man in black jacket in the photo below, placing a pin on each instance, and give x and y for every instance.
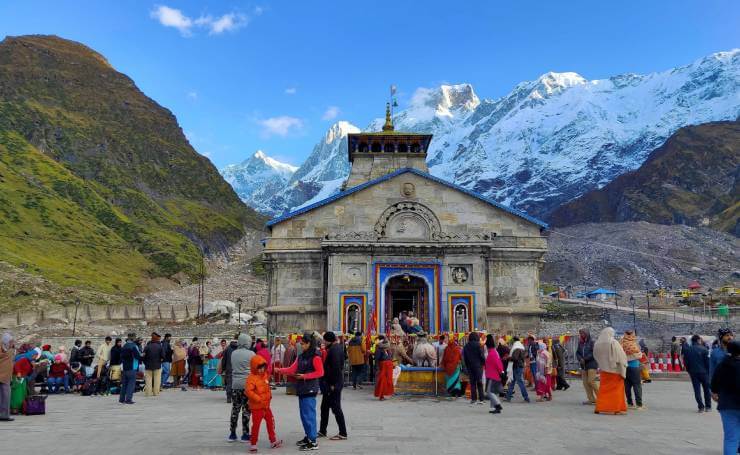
(726, 393)
(474, 360)
(167, 363)
(153, 358)
(224, 366)
(696, 360)
(129, 353)
(74, 354)
(115, 360)
(85, 356)
(331, 386)
(585, 356)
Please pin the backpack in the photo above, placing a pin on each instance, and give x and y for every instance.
(90, 387)
(517, 358)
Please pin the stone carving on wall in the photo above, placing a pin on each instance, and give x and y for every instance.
(354, 273)
(460, 274)
(353, 235)
(408, 189)
(407, 226)
(408, 220)
(462, 237)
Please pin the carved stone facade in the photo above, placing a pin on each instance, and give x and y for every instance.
(403, 242)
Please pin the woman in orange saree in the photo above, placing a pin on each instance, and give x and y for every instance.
(612, 361)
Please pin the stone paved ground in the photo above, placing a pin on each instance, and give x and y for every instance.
(194, 422)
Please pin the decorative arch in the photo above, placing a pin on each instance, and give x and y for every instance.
(456, 302)
(430, 273)
(422, 219)
(348, 301)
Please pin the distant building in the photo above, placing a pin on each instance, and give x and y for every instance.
(397, 239)
(600, 294)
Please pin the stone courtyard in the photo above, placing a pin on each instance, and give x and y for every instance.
(195, 422)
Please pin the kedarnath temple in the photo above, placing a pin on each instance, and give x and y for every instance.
(397, 239)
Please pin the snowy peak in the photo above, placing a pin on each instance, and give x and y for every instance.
(257, 178)
(548, 141)
(279, 167)
(339, 130)
(552, 83)
(443, 101)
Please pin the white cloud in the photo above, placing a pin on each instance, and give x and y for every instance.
(331, 113)
(291, 91)
(280, 126)
(226, 23)
(193, 95)
(258, 10)
(172, 17)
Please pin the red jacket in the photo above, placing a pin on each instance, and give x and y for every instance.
(58, 370)
(318, 369)
(22, 367)
(257, 386)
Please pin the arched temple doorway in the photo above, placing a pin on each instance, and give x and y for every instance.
(353, 316)
(407, 293)
(461, 318)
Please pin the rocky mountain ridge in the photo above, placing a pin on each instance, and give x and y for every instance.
(693, 179)
(548, 141)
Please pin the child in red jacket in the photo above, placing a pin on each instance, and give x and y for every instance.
(257, 390)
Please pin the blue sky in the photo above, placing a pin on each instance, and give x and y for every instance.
(243, 75)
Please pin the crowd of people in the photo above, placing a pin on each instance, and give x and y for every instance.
(612, 371)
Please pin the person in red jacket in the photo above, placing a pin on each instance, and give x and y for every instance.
(257, 390)
(307, 369)
(58, 375)
(22, 367)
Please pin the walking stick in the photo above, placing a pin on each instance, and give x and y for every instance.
(436, 386)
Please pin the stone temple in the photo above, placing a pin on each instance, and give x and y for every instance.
(396, 238)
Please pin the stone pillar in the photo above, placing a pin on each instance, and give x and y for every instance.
(513, 291)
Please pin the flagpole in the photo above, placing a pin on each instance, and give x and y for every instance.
(391, 101)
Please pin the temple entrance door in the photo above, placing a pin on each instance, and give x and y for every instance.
(407, 293)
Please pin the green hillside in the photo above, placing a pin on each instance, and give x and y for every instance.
(99, 187)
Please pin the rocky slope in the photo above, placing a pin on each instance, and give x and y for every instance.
(549, 140)
(629, 254)
(691, 179)
(99, 187)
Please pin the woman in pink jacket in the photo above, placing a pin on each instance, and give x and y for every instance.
(494, 368)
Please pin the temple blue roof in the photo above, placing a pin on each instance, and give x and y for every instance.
(369, 183)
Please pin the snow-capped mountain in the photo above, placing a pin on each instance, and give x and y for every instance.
(546, 142)
(320, 175)
(258, 178)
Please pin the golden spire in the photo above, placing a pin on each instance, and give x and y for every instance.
(388, 120)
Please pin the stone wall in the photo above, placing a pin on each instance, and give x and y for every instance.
(657, 333)
(92, 313)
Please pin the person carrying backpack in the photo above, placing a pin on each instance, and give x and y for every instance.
(153, 358)
(129, 356)
(517, 356)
